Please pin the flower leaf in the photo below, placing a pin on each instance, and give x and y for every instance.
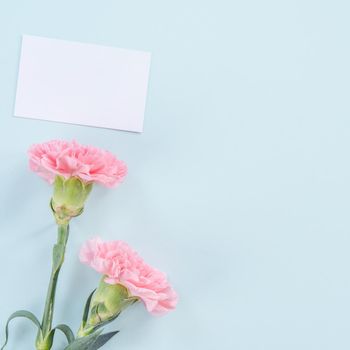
(66, 331)
(102, 340)
(58, 256)
(21, 313)
(84, 343)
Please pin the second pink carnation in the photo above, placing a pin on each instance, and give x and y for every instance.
(122, 265)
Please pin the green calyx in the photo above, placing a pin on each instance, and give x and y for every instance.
(107, 302)
(68, 198)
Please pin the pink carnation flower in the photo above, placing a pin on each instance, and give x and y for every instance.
(70, 159)
(122, 265)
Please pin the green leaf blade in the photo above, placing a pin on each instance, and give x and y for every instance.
(102, 340)
(87, 308)
(58, 256)
(66, 331)
(20, 314)
(84, 343)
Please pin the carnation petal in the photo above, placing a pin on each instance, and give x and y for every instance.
(68, 159)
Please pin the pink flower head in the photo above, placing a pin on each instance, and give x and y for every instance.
(70, 159)
(122, 265)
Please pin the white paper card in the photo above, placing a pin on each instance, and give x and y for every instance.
(80, 83)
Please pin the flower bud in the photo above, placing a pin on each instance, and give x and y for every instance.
(69, 197)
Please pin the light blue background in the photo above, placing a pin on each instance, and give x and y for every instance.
(238, 188)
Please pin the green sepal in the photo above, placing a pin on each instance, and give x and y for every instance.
(98, 314)
(90, 329)
(103, 306)
(21, 313)
(69, 196)
(106, 321)
(107, 303)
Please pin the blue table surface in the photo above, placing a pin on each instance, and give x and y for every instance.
(238, 188)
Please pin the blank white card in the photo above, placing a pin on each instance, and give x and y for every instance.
(83, 84)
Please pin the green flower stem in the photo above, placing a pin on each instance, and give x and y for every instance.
(44, 340)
